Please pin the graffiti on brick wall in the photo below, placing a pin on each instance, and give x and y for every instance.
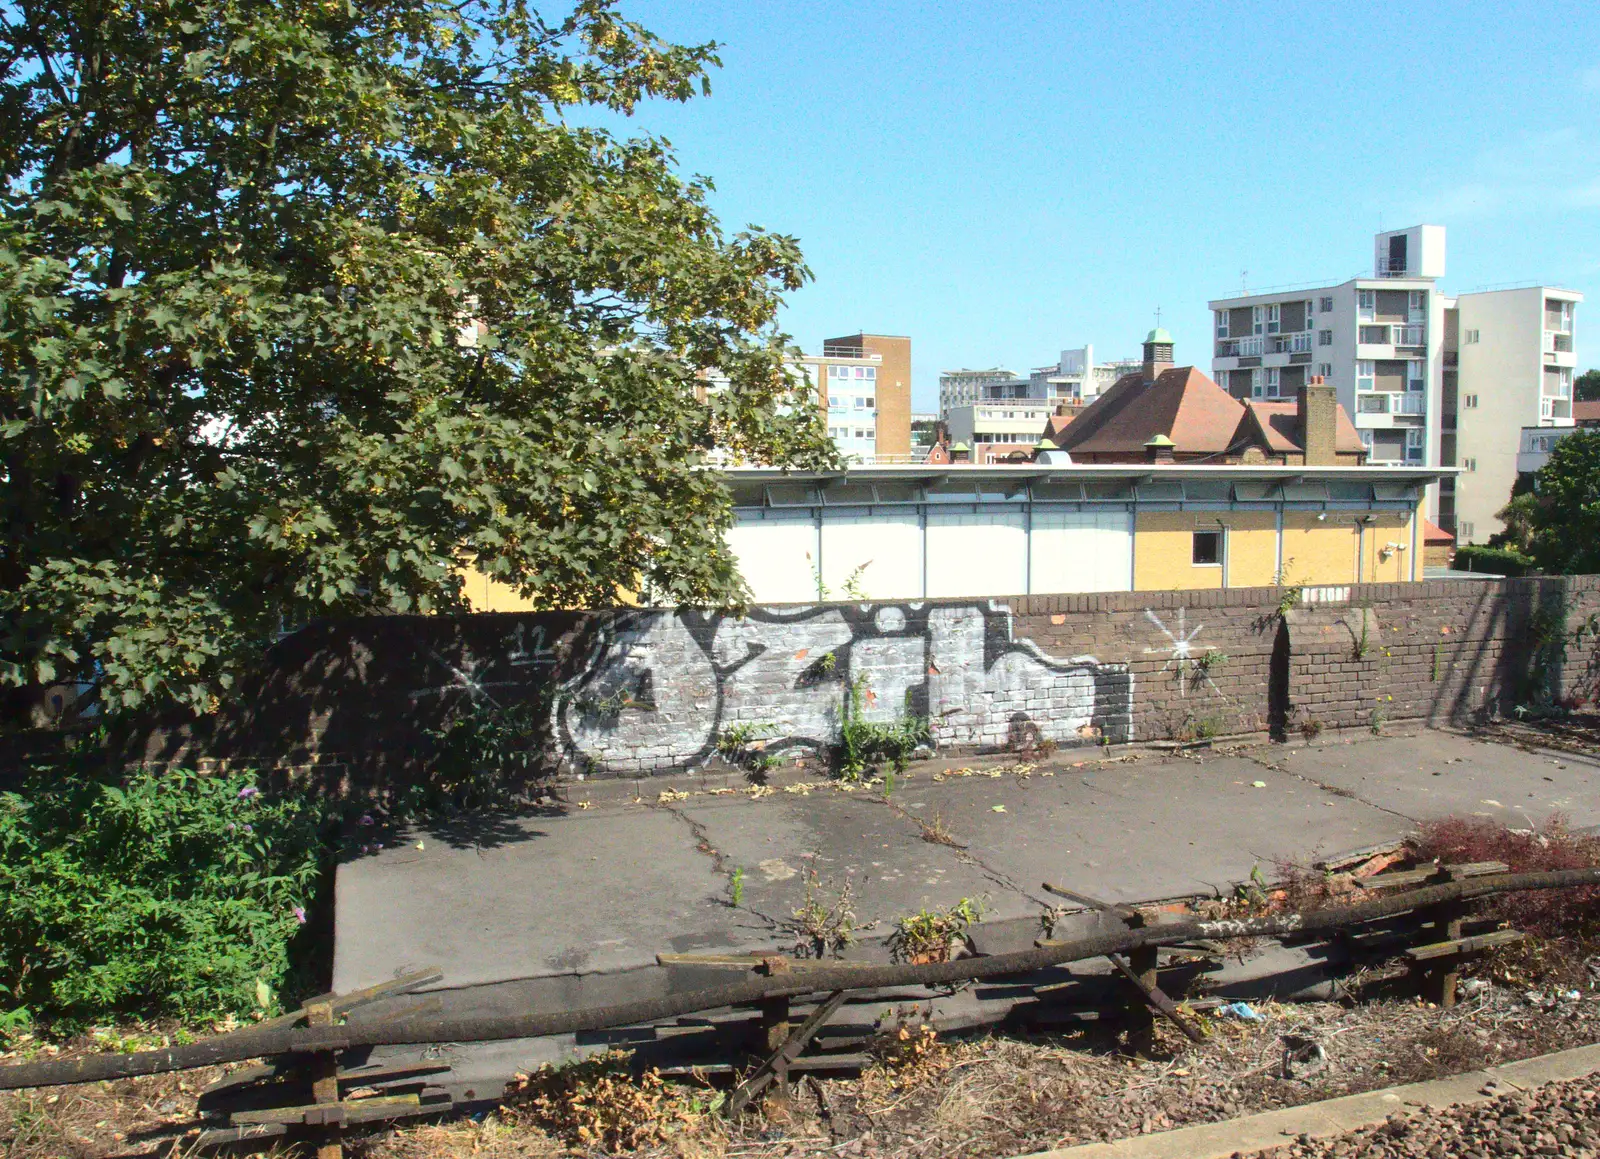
(655, 690)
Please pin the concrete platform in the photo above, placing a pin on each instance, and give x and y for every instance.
(570, 909)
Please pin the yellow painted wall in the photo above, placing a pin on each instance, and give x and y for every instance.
(1319, 551)
(1252, 547)
(1163, 551)
(485, 594)
(1387, 528)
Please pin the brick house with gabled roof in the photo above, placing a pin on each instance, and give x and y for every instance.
(1167, 413)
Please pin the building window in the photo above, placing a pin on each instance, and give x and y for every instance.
(1366, 304)
(1274, 314)
(1469, 464)
(1327, 305)
(1272, 382)
(1306, 319)
(1465, 529)
(1324, 337)
(1207, 548)
(1470, 337)
(1325, 369)
(1256, 389)
(1364, 374)
(1257, 314)
(1469, 402)
(1222, 323)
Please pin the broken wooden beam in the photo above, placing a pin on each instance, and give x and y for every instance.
(778, 1064)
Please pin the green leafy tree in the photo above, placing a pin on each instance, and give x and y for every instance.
(309, 303)
(1587, 387)
(1564, 523)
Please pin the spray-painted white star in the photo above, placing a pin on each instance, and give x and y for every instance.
(1182, 649)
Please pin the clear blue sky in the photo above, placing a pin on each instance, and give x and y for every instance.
(1000, 181)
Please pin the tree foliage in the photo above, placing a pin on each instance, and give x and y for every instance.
(304, 304)
(1564, 525)
(1587, 386)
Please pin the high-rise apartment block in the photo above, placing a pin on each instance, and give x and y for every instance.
(1395, 348)
(863, 383)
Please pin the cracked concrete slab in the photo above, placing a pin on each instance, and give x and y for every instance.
(1145, 829)
(594, 892)
(844, 837)
(585, 892)
(1437, 774)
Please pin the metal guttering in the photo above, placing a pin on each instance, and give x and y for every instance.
(1173, 487)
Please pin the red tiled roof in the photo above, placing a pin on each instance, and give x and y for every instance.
(1586, 412)
(1055, 424)
(1279, 424)
(1183, 404)
(1434, 535)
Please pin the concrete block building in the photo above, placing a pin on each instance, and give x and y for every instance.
(1396, 349)
(863, 384)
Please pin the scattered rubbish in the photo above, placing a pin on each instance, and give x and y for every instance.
(1240, 1010)
(1471, 986)
(1491, 803)
(997, 808)
(1258, 784)
(1302, 1056)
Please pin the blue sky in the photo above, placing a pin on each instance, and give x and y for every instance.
(1000, 181)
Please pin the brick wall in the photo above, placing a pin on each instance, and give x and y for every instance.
(631, 692)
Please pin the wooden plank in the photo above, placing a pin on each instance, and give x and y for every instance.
(1144, 982)
(1471, 945)
(1429, 873)
(327, 1117)
(345, 1111)
(785, 1054)
(344, 1003)
(1126, 913)
(755, 961)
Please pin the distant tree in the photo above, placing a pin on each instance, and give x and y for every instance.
(1587, 387)
(1564, 523)
(306, 305)
(1519, 517)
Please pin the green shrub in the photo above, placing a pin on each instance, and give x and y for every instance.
(865, 745)
(161, 894)
(1492, 560)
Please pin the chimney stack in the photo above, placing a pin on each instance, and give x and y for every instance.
(1319, 422)
(1159, 449)
(1157, 354)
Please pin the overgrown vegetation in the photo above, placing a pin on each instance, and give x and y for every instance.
(602, 1102)
(313, 307)
(1546, 913)
(1507, 561)
(823, 924)
(159, 894)
(744, 746)
(484, 756)
(930, 934)
(866, 745)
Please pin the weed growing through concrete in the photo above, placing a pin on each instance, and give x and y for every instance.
(936, 833)
(929, 935)
(824, 927)
(888, 783)
(736, 885)
(867, 744)
(744, 747)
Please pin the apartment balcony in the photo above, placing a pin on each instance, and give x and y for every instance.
(1299, 343)
(1239, 347)
(1557, 342)
(1370, 403)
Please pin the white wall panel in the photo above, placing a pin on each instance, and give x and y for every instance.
(776, 556)
(889, 544)
(1082, 551)
(983, 554)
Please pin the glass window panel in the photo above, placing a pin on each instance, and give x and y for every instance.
(1204, 490)
(1160, 490)
(791, 495)
(1110, 490)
